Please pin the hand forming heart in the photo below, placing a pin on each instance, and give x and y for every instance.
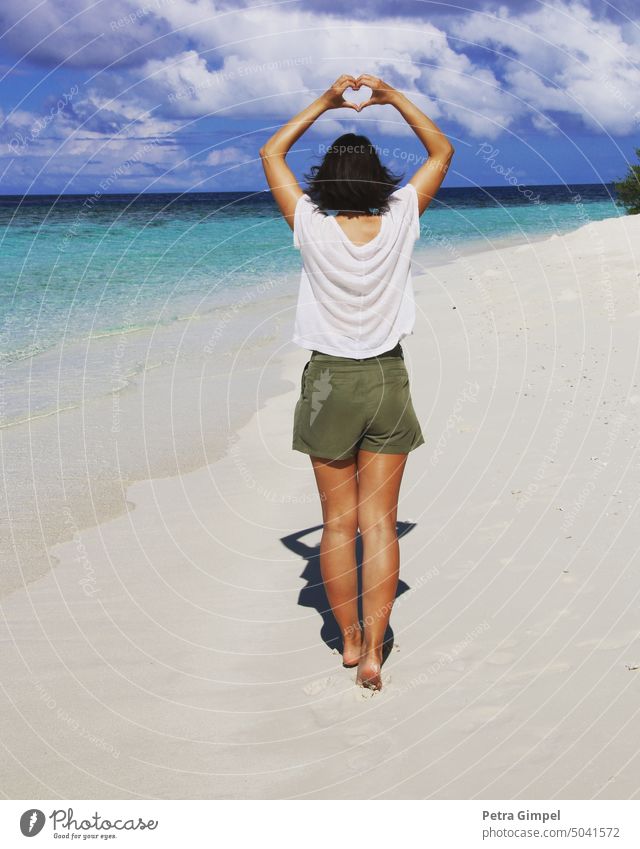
(358, 95)
(379, 92)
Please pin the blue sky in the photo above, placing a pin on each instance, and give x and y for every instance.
(178, 95)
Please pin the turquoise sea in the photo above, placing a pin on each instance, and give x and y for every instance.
(73, 265)
(139, 333)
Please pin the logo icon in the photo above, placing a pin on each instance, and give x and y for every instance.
(322, 390)
(31, 822)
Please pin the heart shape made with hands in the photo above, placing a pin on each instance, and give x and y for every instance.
(358, 95)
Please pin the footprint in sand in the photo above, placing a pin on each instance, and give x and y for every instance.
(319, 685)
(532, 672)
(460, 571)
(617, 642)
(568, 295)
(483, 507)
(500, 658)
(474, 718)
(372, 745)
(337, 701)
(499, 526)
(526, 750)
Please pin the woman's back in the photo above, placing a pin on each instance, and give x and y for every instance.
(360, 229)
(356, 299)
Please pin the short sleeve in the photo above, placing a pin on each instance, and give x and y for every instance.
(406, 207)
(301, 217)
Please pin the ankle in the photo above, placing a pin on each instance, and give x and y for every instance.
(353, 636)
(372, 651)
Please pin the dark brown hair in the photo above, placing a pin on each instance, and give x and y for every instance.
(351, 177)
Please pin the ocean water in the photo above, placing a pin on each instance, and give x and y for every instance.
(96, 291)
(76, 266)
(137, 334)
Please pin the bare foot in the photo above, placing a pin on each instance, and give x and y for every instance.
(352, 649)
(369, 671)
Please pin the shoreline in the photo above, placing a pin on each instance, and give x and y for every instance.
(515, 633)
(80, 461)
(188, 452)
(428, 256)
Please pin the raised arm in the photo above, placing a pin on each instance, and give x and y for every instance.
(281, 179)
(428, 178)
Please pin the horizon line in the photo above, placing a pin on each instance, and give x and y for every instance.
(248, 192)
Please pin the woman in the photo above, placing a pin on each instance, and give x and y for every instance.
(354, 416)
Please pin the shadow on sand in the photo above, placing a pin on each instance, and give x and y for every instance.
(314, 595)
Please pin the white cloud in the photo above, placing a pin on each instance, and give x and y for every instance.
(271, 61)
(225, 155)
(86, 34)
(178, 61)
(68, 149)
(563, 58)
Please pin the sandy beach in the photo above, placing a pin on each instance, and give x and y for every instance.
(183, 649)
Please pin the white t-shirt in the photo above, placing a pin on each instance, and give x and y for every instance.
(355, 300)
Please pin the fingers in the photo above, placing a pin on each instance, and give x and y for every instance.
(346, 81)
(369, 80)
(370, 102)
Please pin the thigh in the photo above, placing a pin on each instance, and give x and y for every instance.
(337, 484)
(379, 479)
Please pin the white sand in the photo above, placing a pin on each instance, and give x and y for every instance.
(167, 654)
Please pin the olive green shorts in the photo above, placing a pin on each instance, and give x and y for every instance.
(347, 404)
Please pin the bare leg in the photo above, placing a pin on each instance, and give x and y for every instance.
(379, 479)
(338, 489)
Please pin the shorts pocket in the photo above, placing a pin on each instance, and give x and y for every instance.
(398, 375)
(303, 380)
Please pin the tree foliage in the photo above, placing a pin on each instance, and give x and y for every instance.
(628, 189)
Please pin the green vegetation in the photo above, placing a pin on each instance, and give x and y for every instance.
(628, 189)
